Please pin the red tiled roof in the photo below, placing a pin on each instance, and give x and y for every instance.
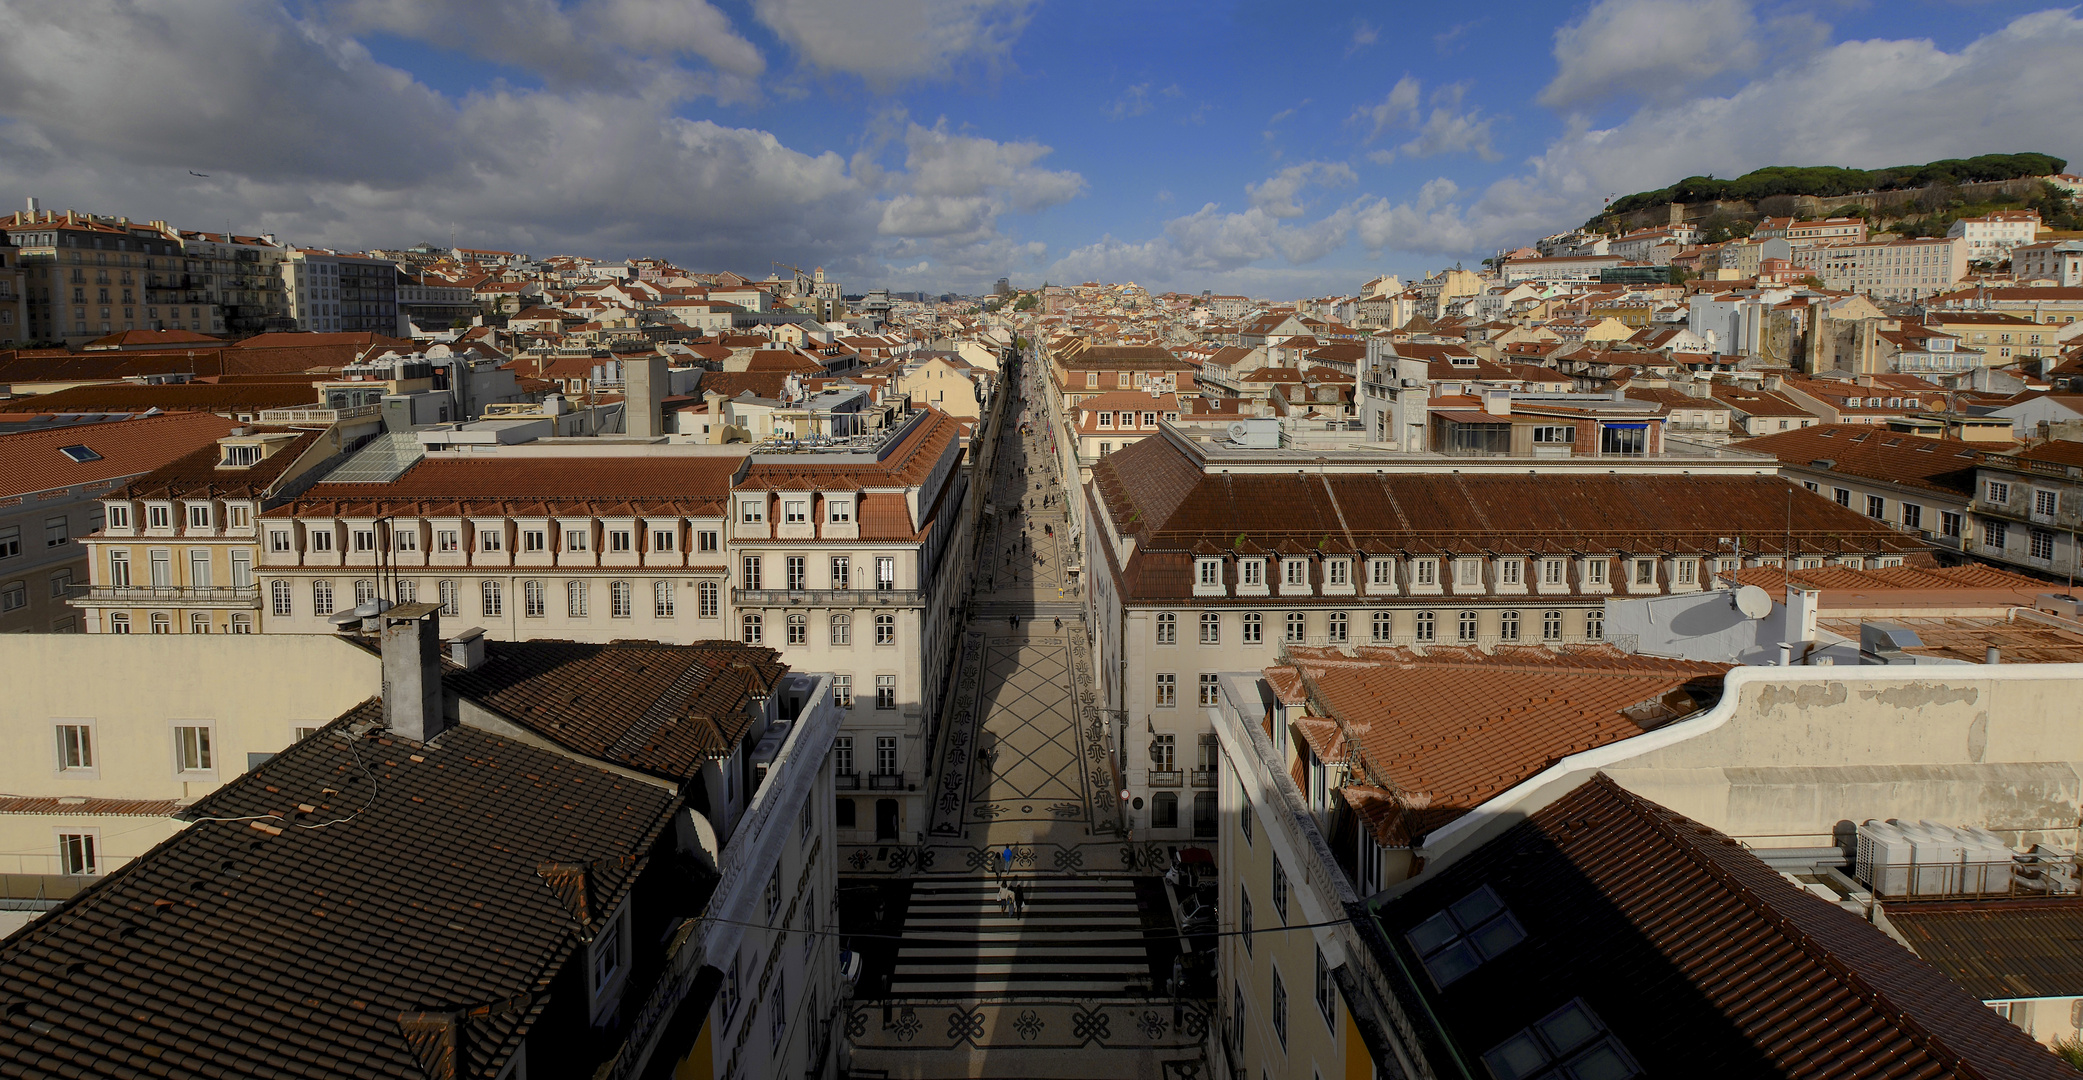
(530, 487)
(1875, 453)
(32, 461)
(169, 397)
(1446, 731)
(87, 807)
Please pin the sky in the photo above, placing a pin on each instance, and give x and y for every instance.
(1245, 146)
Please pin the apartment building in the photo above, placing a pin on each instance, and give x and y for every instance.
(52, 481)
(1922, 484)
(1206, 558)
(607, 839)
(1845, 230)
(328, 292)
(241, 275)
(2000, 336)
(96, 765)
(843, 557)
(2028, 507)
(1907, 269)
(1991, 237)
(2058, 262)
(1465, 832)
(14, 324)
(177, 548)
(84, 277)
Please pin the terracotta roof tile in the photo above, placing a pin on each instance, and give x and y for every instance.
(1448, 730)
(33, 461)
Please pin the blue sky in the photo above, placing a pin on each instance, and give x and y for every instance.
(1251, 147)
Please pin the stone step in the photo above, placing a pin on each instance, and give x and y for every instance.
(968, 969)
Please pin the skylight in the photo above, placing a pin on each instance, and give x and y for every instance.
(79, 453)
(1471, 930)
(1568, 1043)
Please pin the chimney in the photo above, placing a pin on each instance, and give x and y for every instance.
(467, 649)
(1801, 606)
(412, 671)
(33, 207)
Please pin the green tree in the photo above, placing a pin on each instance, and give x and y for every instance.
(1026, 302)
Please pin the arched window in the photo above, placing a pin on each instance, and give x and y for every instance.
(620, 600)
(754, 631)
(1167, 628)
(1551, 626)
(1508, 626)
(1594, 626)
(885, 629)
(494, 599)
(1384, 626)
(798, 630)
(1468, 625)
(575, 599)
(662, 599)
(119, 622)
(532, 603)
(842, 629)
(1211, 628)
(278, 596)
(1254, 628)
(162, 623)
(1339, 628)
(364, 591)
(1428, 626)
(451, 599)
(321, 598)
(706, 600)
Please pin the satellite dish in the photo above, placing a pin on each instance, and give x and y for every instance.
(1753, 602)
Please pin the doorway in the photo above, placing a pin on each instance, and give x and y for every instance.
(885, 819)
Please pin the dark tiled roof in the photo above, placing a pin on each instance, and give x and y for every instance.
(660, 709)
(1158, 494)
(87, 807)
(1999, 949)
(1700, 959)
(1875, 453)
(313, 939)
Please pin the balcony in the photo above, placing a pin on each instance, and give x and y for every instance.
(1204, 778)
(1165, 778)
(315, 415)
(847, 781)
(828, 597)
(184, 596)
(886, 781)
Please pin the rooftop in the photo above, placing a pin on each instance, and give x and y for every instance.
(1440, 733)
(1693, 955)
(1875, 453)
(1999, 949)
(351, 895)
(66, 455)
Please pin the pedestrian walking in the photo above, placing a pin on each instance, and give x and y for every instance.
(1019, 899)
(1005, 900)
(1008, 863)
(1016, 626)
(1059, 624)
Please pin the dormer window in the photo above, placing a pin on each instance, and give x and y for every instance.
(1210, 571)
(752, 511)
(118, 516)
(1294, 572)
(159, 517)
(795, 512)
(1337, 572)
(240, 455)
(1106, 420)
(199, 516)
(838, 511)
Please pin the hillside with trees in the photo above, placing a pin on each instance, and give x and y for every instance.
(1828, 181)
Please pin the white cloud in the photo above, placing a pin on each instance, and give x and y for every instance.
(1400, 107)
(1449, 130)
(889, 42)
(1661, 50)
(1276, 194)
(593, 43)
(1134, 101)
(352, 153)
(1364, 34)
